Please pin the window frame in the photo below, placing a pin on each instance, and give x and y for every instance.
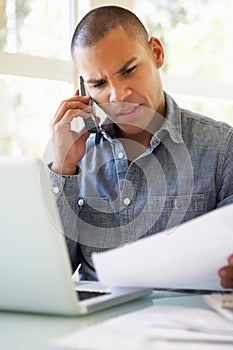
(18, 64)
(56, 69)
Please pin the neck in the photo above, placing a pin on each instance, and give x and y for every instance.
(143, 137)
(134, 144)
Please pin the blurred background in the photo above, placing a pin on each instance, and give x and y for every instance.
(36, 70)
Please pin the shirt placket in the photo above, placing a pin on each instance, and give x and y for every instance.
(127, 187)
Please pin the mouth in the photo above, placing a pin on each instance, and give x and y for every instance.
(128, 113)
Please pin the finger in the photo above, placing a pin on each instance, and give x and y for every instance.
(226, 275)
(226, 272)
(230, 260)
(76, 98)
(76, 93)
(225, 283)
(65, 107)
(71, 103)
(64, 122)
(85, 113)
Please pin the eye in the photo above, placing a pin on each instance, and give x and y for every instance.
(129, 70)
(99, 84)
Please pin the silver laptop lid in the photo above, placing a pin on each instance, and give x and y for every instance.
(35, 270)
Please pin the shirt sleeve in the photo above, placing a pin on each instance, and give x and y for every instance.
(66, 189)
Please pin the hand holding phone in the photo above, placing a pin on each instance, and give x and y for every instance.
(90, 123)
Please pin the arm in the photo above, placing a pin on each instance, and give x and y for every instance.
(69, 148)
(66, 189)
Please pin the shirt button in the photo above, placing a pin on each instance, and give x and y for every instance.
(126, 201)
(56, 190)
(120, 155)
(80, 202)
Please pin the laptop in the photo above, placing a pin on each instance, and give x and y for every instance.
(35, 269)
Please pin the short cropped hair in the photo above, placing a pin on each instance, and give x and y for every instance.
(97, 23)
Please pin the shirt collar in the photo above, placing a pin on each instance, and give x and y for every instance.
(108, 129)
(172, 123)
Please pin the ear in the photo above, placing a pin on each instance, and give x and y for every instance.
(157, 51)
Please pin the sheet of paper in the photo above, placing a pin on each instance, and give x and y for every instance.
(188, 256)
(155, 327)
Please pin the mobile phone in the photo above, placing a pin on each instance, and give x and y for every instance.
(90, 123)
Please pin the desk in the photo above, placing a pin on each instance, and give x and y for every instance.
(29, 331)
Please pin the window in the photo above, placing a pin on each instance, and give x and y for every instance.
(36, 71)
(28, 107)
(196, 35)
(39, 28)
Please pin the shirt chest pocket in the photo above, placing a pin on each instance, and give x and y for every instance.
(164, 212)
(92, 221)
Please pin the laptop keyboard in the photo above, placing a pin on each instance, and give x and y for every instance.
(83, 295)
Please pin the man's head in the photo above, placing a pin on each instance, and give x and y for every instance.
(120, 66)
(100, 21)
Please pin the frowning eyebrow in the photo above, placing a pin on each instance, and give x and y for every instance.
(119, 71)
(126, 65)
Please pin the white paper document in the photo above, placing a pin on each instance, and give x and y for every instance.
(188, 256)
(156, 327)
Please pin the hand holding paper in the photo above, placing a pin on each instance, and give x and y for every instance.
(226, 274)
(189, 257)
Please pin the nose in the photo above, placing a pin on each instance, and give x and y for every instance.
(119, 92)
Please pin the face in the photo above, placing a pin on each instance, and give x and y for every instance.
(122, 76)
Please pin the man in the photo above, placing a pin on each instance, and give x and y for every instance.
(151, 166)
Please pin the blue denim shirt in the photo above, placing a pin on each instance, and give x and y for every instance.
(186, 172)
